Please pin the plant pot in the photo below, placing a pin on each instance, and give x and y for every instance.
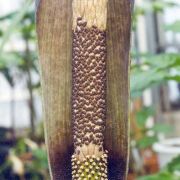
(131, 176)
(167, 150)
(150, 161)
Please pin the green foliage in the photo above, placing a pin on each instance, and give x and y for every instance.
(153, 70)
(160, 176)
(36, 166)
(174, 27)
(24, 61)
(142, 116)
(4, 166)
(150, 6)
(174, 165)
(9, 16)
(9, 60)
(147, 140)
(168, 173)
(161, 128)
(15, 17)
(160, 5)
(40, 159)
(20, 147)
(39, 164)
(149, 71)
(1, 33)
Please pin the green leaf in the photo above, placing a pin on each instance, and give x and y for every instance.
(153, 70)
(175, 78)
(140, 80)
(9, 16)
(174, 27)
(161, 128)
(8, 76)
(20, 147)
(162, 61)
(15, 21)
(142, 115)
(158, 6)
(4, 167)
(1, 33)
(174, 165)
(40, 159)
(160, 176)
(146, 141)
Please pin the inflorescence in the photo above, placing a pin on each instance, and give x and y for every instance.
(89, 101)
(91, 167)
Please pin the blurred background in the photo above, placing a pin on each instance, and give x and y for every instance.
(155, 93)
